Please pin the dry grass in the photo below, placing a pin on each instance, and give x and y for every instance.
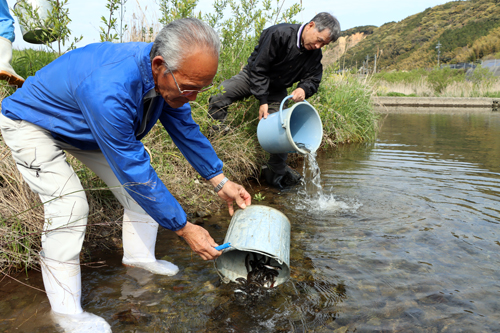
(21, 214)
(420, 88)
(468, 89)
(142, 28)
(423, 88)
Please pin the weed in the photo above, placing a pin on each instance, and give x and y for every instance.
(259, 197)
(27, 62)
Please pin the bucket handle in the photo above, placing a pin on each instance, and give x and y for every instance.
(281, 109)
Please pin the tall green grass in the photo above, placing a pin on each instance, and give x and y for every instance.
(344, 104)
(29, 61)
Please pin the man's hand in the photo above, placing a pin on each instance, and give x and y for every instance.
(199, 240)
(231, 192)
(298, 95)
(263, 111)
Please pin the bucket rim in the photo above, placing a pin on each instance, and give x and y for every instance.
(244, 249)
(226, 279)
(257, 206)
(289, 133)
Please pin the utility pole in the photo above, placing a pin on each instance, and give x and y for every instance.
(375, 64)
(367, 60)
(438, 47)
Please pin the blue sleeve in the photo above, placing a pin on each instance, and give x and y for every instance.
(110, 112)
(191, 142)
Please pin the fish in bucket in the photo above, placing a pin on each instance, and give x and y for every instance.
(259, 250)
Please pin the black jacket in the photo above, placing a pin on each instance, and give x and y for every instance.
(277, 63)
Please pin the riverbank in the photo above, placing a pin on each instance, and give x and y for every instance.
(385, 104)
(345, 109)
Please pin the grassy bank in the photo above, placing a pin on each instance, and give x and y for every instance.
(444, 82)
(345, 108)
(344, 105)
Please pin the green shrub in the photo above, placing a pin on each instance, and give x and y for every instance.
(492, 94)
(481, 75)
(401, 76)
(439, 79)
(395, 94)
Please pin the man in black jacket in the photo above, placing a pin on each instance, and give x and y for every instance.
(286, 53)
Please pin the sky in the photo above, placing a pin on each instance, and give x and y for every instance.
(86, 14)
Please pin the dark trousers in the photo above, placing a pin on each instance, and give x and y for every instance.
(238, 88)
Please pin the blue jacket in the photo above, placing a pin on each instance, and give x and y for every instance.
(92, 98)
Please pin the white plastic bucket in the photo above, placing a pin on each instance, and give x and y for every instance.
(283, 130)
(36, 34)
(256, 229)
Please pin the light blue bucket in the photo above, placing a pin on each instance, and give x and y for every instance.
(259, 230)
(283, 130)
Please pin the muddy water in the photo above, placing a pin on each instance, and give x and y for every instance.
(404, 238)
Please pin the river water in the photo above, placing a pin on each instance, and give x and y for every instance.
(404, 238)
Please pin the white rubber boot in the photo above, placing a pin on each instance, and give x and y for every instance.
(7, 73)
(139, 239)
(63, 284)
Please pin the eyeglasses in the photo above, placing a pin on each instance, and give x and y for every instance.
(186, 92)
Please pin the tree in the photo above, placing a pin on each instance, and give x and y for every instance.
(51, 26)
(110, 23)
(177, 9)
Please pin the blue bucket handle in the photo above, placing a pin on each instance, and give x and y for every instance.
(281, 109)
(223, 246)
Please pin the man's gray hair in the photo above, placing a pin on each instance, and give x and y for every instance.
(327, 21)
(180, 37)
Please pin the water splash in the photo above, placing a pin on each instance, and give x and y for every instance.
(311, 181)
(311, 195)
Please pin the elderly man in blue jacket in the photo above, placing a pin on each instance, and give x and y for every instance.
(97, 103)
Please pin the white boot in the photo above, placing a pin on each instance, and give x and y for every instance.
(63, 284)
(7, 73)
(139, 239)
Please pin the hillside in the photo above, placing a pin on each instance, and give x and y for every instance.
(467, 30)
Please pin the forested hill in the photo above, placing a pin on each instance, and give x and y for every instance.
(466, 30)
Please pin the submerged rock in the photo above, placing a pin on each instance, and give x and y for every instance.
(131, 316)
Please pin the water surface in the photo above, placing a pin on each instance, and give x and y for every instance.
(403, 239)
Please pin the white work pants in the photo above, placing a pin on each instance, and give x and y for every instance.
(41, 159)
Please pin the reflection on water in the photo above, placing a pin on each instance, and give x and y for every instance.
(421, 252)
(404, 239)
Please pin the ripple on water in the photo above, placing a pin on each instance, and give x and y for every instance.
(403, 238)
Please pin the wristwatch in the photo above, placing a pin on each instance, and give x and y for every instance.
(221, 184)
